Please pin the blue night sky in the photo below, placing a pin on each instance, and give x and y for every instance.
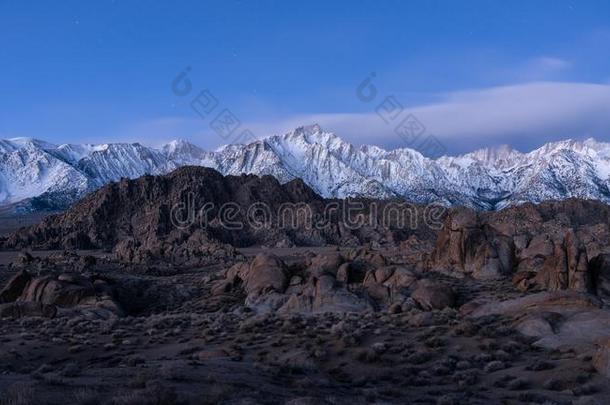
(475, 73)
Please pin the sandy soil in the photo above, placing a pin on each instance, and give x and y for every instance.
(180, 343)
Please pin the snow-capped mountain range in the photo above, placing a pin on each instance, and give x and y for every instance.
(39, 175)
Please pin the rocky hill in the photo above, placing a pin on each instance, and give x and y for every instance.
(176, 214)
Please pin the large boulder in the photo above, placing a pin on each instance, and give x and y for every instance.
(310, 286)
(567, 267)
(323, 263)
(325, 296)
(265, 273)
(467, 246)
(557, 319)
(430, 294)
(264, 280)
(45, 295)
(388, 284)
(15, 286)
(51, 289)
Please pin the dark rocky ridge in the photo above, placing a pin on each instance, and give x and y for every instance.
(135, 217)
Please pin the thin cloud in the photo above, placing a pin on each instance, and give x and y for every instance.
(524, 115)
(549, 62)
(543, 68)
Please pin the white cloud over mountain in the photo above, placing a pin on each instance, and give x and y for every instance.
(523, 115)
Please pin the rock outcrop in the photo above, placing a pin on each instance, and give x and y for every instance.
(14, 287)
(269, 285)
(43, 295)
(556, 319)
(354, 281)
(433, 295)
(266, 273)
(551, 246)
(465, 245)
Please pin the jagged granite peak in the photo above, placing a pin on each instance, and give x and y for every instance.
(499, 157)
(487, 179)
(28, 170)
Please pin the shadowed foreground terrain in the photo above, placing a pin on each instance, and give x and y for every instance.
(10, 222)
(504, 307)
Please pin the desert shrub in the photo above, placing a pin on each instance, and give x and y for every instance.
(18, 394)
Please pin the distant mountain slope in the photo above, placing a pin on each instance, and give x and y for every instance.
(42, 175)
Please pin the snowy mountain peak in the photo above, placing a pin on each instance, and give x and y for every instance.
(309, 130)
(310, 134)
(492, 154)
(587, 146)
(372, 150)
(20, 142)
(176, 143)
(489, 178)
(177, 146)
(502, 156)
